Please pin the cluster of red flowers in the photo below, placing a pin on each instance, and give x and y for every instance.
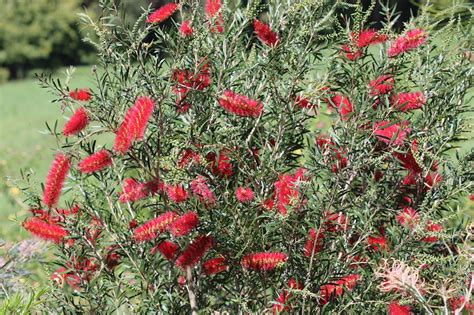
(240, 105)
(213, 11)
(359, 41)
(185, 29)
(265, 34)
(134, 191)
(76, 123)
(201, 189)
(214, 266)
(162, 13)
(333, 290)
(413, 39)
(81, 95)
(167, 248)
(264, 261)
(396, 309)
(184, 224)
(134, 125)
(287, 190)
(336, 154)
(151, 229)
(96, 162)
(55, 179)
(195, 251)
(45, 230)
(220, 165)
(244, 195)
(391, 133)
(76, 272)
(176, 193)
(282, 303)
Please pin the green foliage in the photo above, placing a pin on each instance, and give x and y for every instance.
(43, 33)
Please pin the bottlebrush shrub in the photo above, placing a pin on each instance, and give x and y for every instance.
(213, 190)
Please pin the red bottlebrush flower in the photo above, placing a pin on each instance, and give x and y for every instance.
(162, 13)
(334, 290)
(269, 204)
(377, 243)
(134, 124)
(287, 190)
(396, 309)
(408, 162)
(343, 104)
(351, 55)
(214, 266)
(80, 95)
(265, 34)
(195, 251)
(244, 195)
(390, 133)
(408, 101)
(368, 37)
(201, 189)
(187, 157)
(76, 123)
(471, 197)
(182, 281)
(302, 102)
(328, 147)
(408, 217)
(460, 303)
(185, 29)
(413, 39)
(176, 193)
(221, 166)
(150, 229)
(432, 227)
(213, 11)
(96, 162)
(132, 191)
(240, 105)
(314, 244)
(264, 261)
(44, 230)
(166, 248)
(132, 224)
(382, 85)
(281, 303)
(188, 80)
(55, 179)
(184, 224)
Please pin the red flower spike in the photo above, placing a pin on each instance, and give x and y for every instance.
(133, 191)
(166, 248)
(214, 266)
(396, 309)
(134, 124)
(201, 189)
(195, 251)
(408, 217)
(287, 190)
(281, 303)
(96, 162)
(244, 195)
(240, 105)
(351, 55)
(113, 258)
(343, 104)
(213, 11)
(55, 179)
(382, 85)
(389, 133)
(44, 230)
(162, 13)
(81, 95)
(76, 123)
(265, 34)
(378, 243)
(223, 165)
(176, 193)
(314, 244)
(152, 228)
(327, 291)
(408, 162)
(185, 29)
(188, 157)
(432, 227)
(184, 224)
(302, 102)
(408, 101)
(413, 39)
(368, 37)
(62, 276)
(264, 261)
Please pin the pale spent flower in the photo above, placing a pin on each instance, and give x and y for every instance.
(399, 277)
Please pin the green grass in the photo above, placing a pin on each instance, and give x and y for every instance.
(24, 109)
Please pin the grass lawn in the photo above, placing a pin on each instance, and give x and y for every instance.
(24, 109)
